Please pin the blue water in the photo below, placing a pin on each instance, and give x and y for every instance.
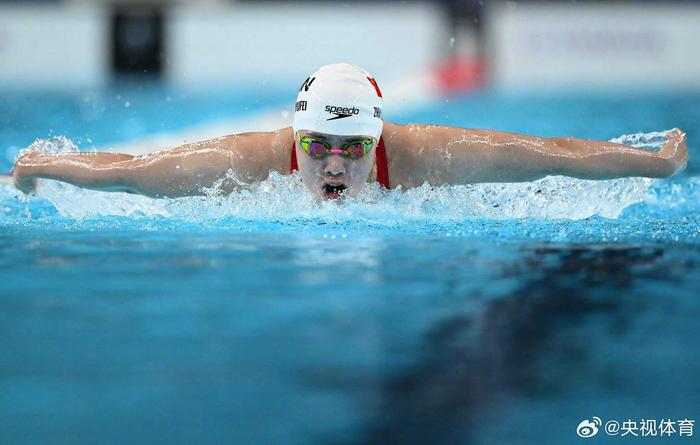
(489, 314)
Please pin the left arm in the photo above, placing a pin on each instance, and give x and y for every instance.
(453, 155)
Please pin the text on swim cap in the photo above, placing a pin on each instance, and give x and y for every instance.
(341, 110)
(307, 83)
(300, 106)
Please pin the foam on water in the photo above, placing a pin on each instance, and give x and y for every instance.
(282, 198)
(651, 141)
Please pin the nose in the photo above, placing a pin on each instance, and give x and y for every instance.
(334, 166)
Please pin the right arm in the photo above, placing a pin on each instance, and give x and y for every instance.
(180, 171)
(453, 155)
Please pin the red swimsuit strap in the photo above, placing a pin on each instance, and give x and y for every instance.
(295, 166)
(382, 166)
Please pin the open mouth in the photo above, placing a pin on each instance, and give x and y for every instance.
(333, 191)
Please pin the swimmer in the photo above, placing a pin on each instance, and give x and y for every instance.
(338, 142)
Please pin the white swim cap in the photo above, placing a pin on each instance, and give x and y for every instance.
(339, 99)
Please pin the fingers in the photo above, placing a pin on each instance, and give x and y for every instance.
(678, 135)
(675, 151)
(26, 186)
(21, 171)
(682, 151)
(22, 181)
(675, 141)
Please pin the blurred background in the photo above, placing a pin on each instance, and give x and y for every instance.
(87, 44)
(109, 73)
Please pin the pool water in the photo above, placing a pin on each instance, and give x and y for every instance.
(472, 314)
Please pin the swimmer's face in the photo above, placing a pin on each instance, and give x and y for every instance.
(334, 175)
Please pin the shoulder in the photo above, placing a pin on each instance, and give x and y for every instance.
(396, 138)
(415, 152)
(421, 139)
(402, 144)
(269, 150)
(404, 139)
(281, 146)
(273, 139)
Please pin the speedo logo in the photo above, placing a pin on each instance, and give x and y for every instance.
(341, 112)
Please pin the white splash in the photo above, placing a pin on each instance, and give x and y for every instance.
(651, 141)
(283, 198)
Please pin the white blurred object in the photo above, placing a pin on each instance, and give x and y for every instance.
(52, 46)
(215, 44)
(594, 46)
(243, 43)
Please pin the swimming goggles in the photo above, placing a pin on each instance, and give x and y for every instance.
(319, 148)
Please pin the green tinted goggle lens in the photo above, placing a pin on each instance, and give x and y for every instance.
(319, 148)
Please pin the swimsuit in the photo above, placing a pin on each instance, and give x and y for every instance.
(382, 166)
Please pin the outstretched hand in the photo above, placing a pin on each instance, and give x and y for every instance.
(675, 150)
(20, 172)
